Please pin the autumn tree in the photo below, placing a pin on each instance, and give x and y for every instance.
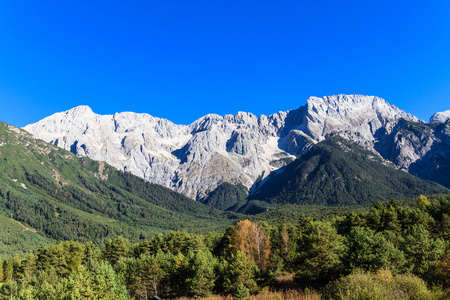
(251, 240)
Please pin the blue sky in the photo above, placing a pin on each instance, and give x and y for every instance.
(181, 60)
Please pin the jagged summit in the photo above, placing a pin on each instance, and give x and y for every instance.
(79, 110)
(440, 117)
(194, 159)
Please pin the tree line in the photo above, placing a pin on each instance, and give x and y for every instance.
(386, 245)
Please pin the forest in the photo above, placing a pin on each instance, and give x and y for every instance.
(389, 251)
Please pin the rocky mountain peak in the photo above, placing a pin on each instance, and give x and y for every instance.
(440, 117)
(79, 111)
(240, 148)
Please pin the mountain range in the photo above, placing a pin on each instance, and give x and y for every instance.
(48, 194)
(243, 149)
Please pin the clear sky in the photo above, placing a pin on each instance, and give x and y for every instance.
(181, 60)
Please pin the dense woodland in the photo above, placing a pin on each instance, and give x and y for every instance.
(389, 251)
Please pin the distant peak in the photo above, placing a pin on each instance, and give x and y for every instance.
(440, 117)
(79, 111)
(342, 98)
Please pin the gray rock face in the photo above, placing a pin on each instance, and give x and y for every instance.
(440, 117)
(194, 159)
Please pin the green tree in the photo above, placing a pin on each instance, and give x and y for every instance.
(239, 269)
(201, 277)
(115, 249)
(8, 269)
(1, 270)
(16, 265)
(422, 251)
(175, 267)
(371, 251)
(150, 274)
(319, 249)
(28, 268)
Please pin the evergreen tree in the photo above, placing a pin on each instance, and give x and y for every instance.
(320, 248)
(115, 249)
(422, 251)
(201, 277)
(8, 269)
(371, 251)
(239, 269)
(28, 268)
(1, 270)
(16, 265)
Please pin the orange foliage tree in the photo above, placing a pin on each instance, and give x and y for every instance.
(250, 239)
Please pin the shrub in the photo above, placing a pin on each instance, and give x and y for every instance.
(380, 285)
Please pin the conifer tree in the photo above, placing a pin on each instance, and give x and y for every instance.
(239, 269)
(371, 251)
(1, 270)
(320, 248)
(8, 269)
(201, 277)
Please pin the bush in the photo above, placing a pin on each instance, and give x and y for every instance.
(380, 285)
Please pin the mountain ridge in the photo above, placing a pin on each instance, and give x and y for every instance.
(195, 159)
(335, 172)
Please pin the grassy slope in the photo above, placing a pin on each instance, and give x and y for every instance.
(14, 238)
(226, 196)
(64, 197)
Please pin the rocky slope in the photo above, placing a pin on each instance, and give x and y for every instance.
(194, 159)
(440, 117)
(336, 172)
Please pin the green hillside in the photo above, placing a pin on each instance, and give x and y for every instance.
(336, 172)
(65, 197)
(226, 196)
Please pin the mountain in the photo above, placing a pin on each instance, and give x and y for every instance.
(440, 117)
(195, 159)
(226, 196)
(59, 196)
(336, 172)
(419, 148)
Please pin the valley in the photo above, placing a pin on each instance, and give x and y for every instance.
(339, 191)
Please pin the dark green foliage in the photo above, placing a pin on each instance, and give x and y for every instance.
(291, 213)
(319, 249)
(1, 270)
(252, 207)
(371, 251)
(96, 281)
(226, 196)
(174, 242)
(115, 249)
(337, 172)
(423, 251)
(59, 196)
(201, 277)
(237, 270)
(179, 264)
